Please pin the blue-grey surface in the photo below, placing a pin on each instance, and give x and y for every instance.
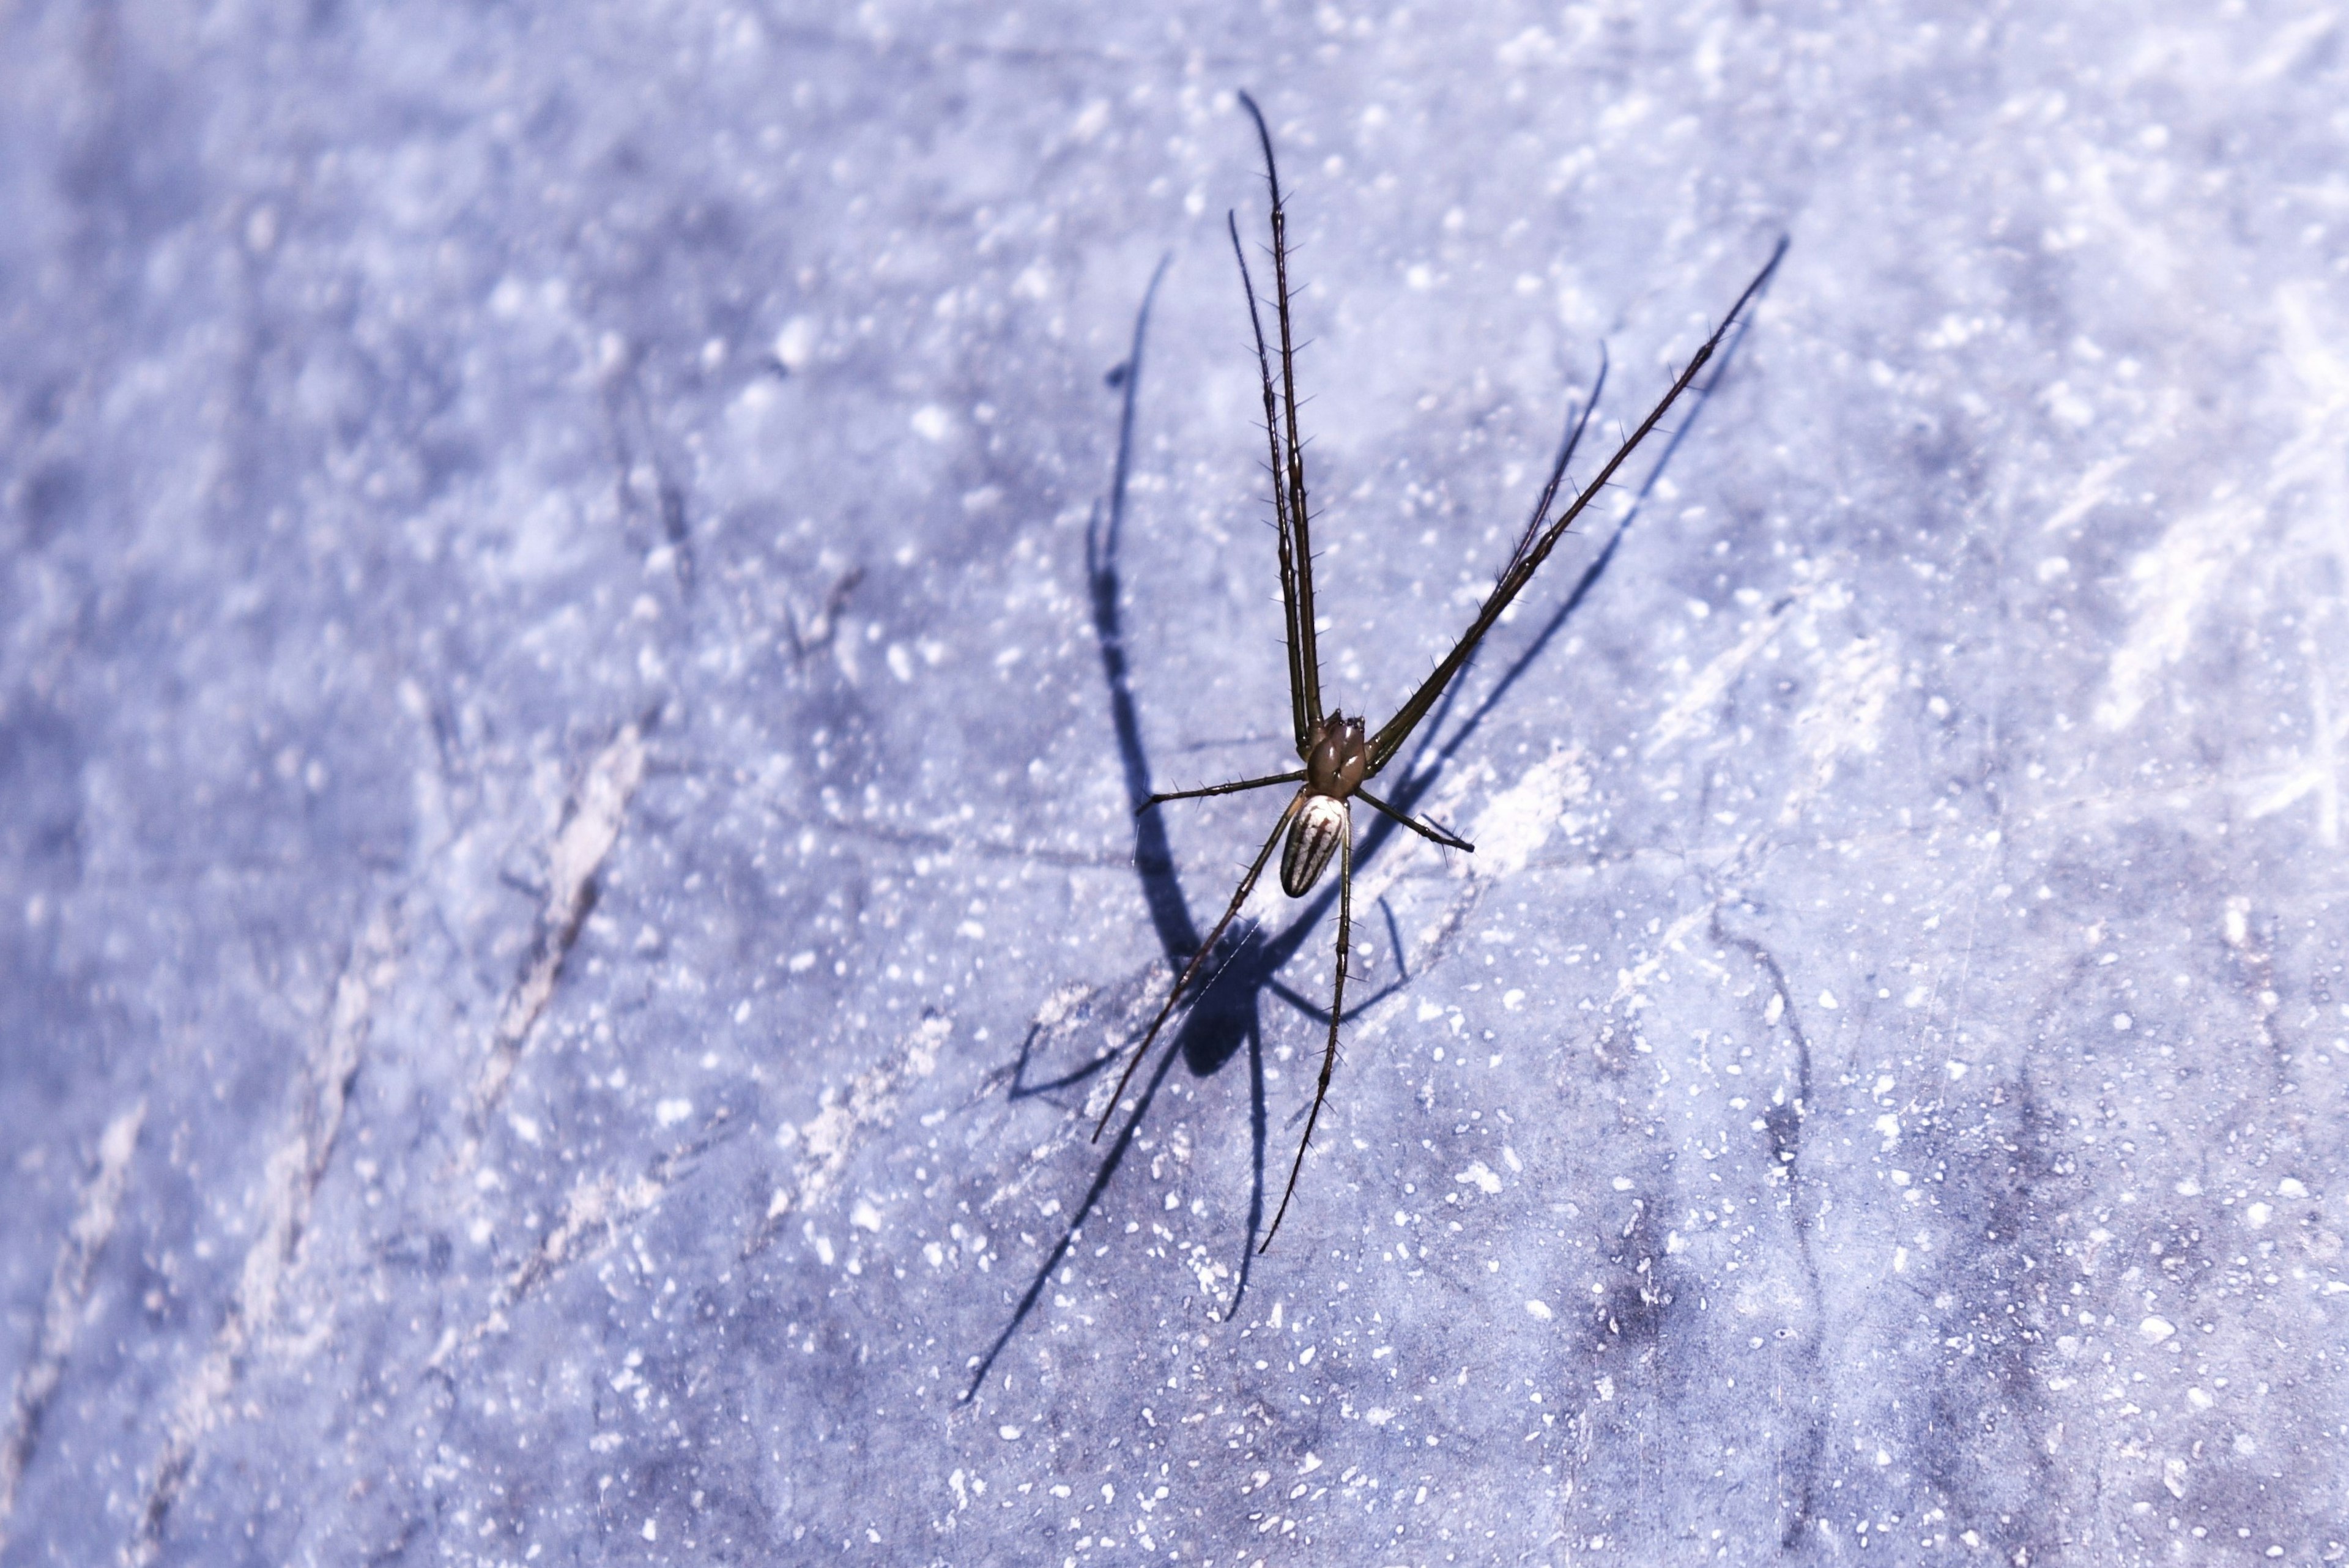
(566, 855)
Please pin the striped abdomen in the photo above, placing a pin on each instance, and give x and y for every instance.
(1313, 837)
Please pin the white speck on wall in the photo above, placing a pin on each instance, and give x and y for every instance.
(1483, 1175)
(2291, 1187)
(1539, 1310)
(526, 1127)
(668, 1113)
(2157, 1329)
(864, 1216)
(1622, 1184)
(796, 343)
(801, 962)
(932, 422)
(651, 1529)
(1606, 1387)
(1008, 1433)
(2258, 1215)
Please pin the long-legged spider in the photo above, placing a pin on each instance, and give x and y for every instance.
(1339, 757)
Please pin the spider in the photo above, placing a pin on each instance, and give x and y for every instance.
(1341, 753)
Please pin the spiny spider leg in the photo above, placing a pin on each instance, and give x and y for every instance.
(1299, 514)
(1525, 562)
(1426, 830)
(1304, 680)
(1247, 886)
(1337, 1010)
(1293, 513)
(1292, 776)
(1580, 423)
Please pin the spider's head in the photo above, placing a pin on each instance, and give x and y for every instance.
(1335, 765)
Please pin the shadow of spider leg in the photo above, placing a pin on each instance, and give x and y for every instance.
(1247, 886)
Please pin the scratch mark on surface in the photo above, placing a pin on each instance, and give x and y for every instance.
(2173, 581)
(603, 1204)
(2096, 487)
(587, 836)
(1517, 821)
(62, 1311)
(1844, 717)
(288, 1192)
(2169, 585)
(2319, 774)
(1714, 682)
(1632, 982)
(829, 1136)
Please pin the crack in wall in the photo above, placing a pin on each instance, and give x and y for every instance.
(68, 1298)
(289, 1191)
(588, 832)
(830, 1137)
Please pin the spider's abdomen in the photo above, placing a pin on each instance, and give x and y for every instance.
(1313, 837)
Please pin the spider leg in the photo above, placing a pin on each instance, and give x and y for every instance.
(1337, 1010)
(1292, 776)
(1426, 830)
(1527, 560)
(1247, 886)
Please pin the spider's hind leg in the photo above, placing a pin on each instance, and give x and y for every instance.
(1247, 886)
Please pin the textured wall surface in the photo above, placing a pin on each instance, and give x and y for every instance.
(576, 645)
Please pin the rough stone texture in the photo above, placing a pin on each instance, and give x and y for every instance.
(566, 846)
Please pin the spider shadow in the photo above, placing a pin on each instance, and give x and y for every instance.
(1224, 1014)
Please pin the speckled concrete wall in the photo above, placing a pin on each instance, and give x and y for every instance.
(575, 660)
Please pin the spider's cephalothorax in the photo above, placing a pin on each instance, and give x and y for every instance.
(1339, 758)
(1333, 771)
